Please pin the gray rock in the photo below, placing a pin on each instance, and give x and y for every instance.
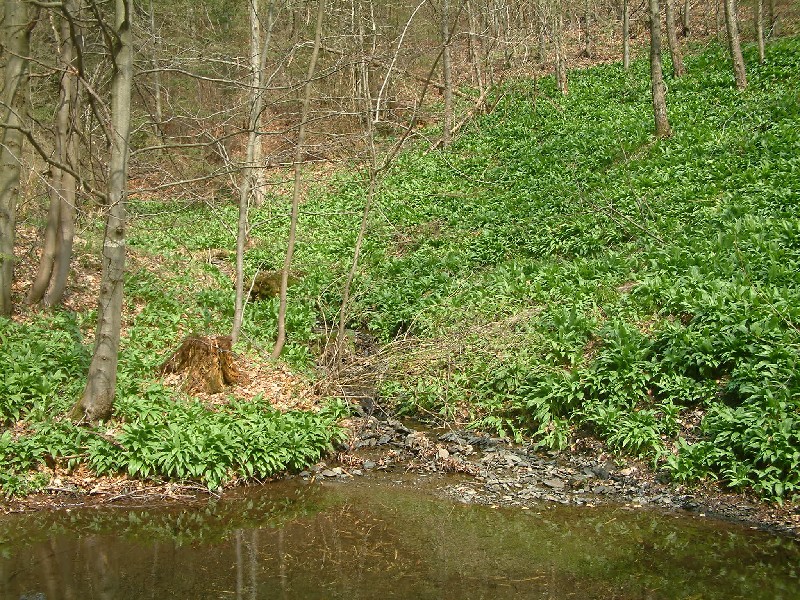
(368, 464)
(328, 473)
(398, 426)
(556, 484)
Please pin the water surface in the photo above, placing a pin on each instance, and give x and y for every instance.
(294, 540)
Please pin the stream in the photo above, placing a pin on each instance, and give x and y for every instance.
(389, 538)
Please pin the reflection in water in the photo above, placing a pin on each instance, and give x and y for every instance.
(293, 541)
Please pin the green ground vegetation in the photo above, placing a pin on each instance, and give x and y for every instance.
(557, 270)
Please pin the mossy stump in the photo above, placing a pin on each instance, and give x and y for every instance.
(207, 364)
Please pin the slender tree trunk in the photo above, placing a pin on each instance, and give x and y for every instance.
(16, 29)
(758, 16)
(626, 35)
(68, 198)
(159, 113)
(98, 397)
(732, 25)
(252, 175)
(474, 44)
(447, 73)
(587, 38)
(772, 19)
(72, 36)
(298, 160)
(373, 175)
(678, 70)
(50, 245)
(256, 80)
(57, 249)
(685, 21)
(561, 64)
(656, 74)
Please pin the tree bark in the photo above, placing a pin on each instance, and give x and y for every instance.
(758, 17)
(626, 35)
(256, 81)
(656, 73)
(587, 38)
(373, 175)
(474, 43)
(17, 27)
(298, 160)
(252, 177)
(772, 18)
(157, 109)
(686, 28)
(561, 65)
(734, 44)
(57, 249)
(98, 397)
(678, 70)
(447, 73)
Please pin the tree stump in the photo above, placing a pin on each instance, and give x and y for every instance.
(206, 362)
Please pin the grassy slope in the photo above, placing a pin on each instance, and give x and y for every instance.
(575, 271)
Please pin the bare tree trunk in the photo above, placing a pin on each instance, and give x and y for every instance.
(252, 175)
(772, 18)
(656, 73)
(57, 249)
(685, 21)
(98, 396)
(301, 135)
(373, 175)
(474, 43)
(447, 73)
(17, 27)
(678, 70)
(732, 25)
(50, 245)
(626, 35)
(587, 38)
(159, 114)
(71, 35)
(256, 80)
(561, 64)
(758, 16)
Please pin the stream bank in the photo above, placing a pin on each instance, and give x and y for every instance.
(496, 472)
(466, 466)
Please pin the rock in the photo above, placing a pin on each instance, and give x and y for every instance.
(368, 464)
(602, 471)
(628, 472)
(304, 474)
(357, 472)
(383, 440)
(328, 473)
(337, 470)
(555, 483)
(398, 426)
(443, 454)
